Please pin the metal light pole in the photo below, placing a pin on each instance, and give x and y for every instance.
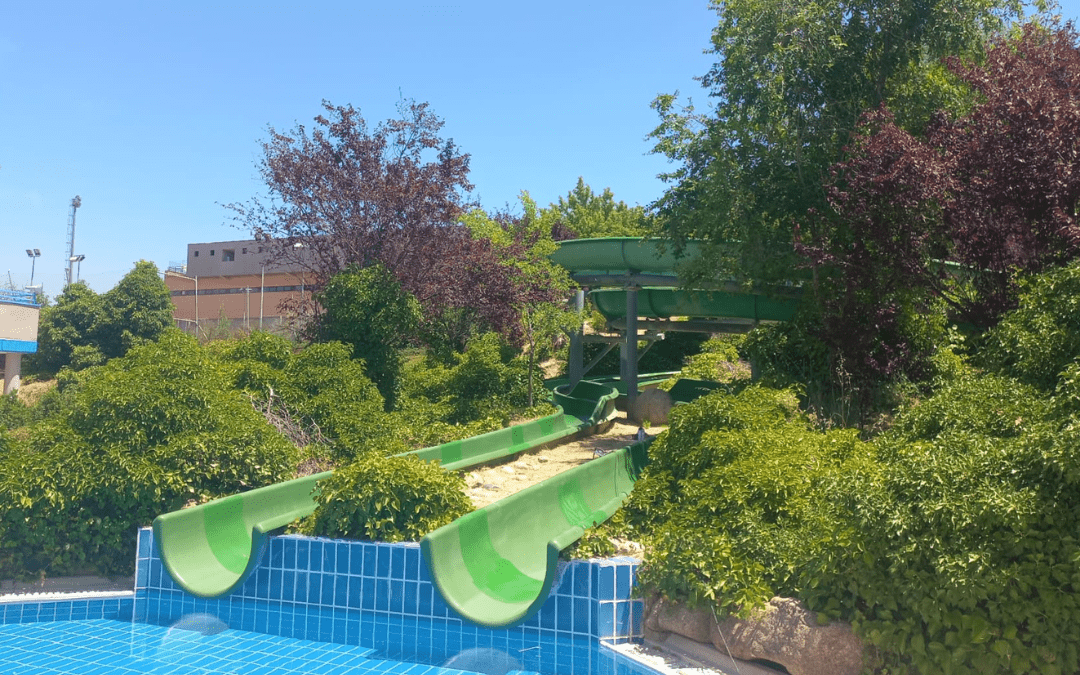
(262, 289)
(247, 309)
(34, 254)
(76, 259)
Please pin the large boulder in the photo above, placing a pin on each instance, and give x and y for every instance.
(783, 631)
(652, 406)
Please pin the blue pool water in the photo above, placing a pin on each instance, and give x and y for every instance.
(322, 606)
(204, 645)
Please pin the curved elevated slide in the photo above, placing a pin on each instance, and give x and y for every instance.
(211, 549)
(496, 565)
(650, 265)
(664, 303)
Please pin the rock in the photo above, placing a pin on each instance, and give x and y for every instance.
(667, 616)
(783, 632)
(652, 406)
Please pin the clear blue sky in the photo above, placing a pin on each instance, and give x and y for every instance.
(153, 113)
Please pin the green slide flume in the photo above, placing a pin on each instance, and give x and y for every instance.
(496, 565)
(210, 549)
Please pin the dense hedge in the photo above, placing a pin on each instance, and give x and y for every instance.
(736, 500)
(387, 499)
(128, 441)
(950, 541)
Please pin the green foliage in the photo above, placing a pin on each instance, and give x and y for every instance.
(1041, 337)
(718, 361)
(590, 215)
(62, 327)
(13, 412)
(169, 402)
(387, 499)
(368, 310)
(487, 380)
(324, 385)
(949, 542)
(85, 329)
(736, 501)
(137, 309)
(75, 509)
(964, 554)
(789, 84)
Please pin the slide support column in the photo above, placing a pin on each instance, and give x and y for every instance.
(629, 365)
(576, 366)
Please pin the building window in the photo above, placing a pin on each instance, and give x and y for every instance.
(228, 255)
(260, 249)
(243, 251)
(211, 252)
(196, 254)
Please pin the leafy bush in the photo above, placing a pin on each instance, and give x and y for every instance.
(964, 554)
(368, 310)
(170, 403)
(718, 361)
(72, 510)
(325, 385)
(736, 500)
(13, 412)
(487, 380)
(387, 499)
(84, 329)
(1035, 342)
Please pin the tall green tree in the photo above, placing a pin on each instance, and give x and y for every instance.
(85, 329)
(367, 309)
(138, 308)
(791, 79)
(588, 214)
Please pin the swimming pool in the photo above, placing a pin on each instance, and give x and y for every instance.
(323, 606)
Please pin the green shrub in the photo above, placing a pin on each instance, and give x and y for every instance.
(387, 499)
(1036, 341)
(718, 361)
(72, 510)
(487, 380)
(736, 500)
(963, 557)
(170, 403)
(368, 310)
(324, 385)
(13, 412)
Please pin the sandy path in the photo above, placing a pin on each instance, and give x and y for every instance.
(491, 483)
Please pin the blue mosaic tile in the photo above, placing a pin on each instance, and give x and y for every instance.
(382, 565)
(370, 557)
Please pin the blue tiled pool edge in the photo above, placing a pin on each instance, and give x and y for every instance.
(373, 596)
(31, 610)
(592, 598)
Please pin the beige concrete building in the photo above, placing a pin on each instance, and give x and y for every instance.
(235, 280)
(18, 334)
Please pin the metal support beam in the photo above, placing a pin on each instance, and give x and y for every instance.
(602, 354)
(628, 366)
(690, 326)
(576, 366)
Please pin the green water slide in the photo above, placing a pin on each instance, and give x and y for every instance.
(664, 303)
(211, 549)
(496, 565)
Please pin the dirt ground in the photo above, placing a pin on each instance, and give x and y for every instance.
(491, 483)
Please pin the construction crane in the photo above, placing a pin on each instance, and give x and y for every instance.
(75, 203)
